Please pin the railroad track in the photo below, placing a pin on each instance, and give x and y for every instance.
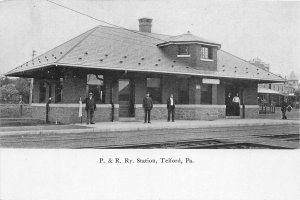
(193, 144)
(185, 138)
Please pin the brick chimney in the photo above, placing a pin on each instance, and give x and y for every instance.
(145, 25)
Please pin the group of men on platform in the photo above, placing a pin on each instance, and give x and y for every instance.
(148, 105)
(90, 107)
(232, 107)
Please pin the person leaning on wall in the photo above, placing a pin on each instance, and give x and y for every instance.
(90, 107)
(147, 105)
(171, 107)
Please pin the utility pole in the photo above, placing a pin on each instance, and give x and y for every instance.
(31, 80)
(33, 54)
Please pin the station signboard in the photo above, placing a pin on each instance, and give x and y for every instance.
(211, 81)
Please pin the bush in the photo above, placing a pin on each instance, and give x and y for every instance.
(12, 90)
(9, 93)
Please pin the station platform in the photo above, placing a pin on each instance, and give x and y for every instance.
(119, 126)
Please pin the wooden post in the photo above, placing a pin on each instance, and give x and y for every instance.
(31, 90)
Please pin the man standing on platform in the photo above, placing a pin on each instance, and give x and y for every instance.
(147, 105)
(90, 107)
(284, 106)
(228, 103)
(171, 107)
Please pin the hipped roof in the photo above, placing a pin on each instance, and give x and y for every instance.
(292, 77)
(120, 49)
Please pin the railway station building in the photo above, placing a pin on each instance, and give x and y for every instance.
(119, 66)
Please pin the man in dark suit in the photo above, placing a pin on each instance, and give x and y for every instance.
(90, 107)
(228, 103)
(171, 107)
(284, 106)
(147, 105)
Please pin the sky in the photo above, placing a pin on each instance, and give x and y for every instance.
(268, 30)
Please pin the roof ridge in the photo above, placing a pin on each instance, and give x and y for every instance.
(91, 31)
(189, 37)
(250, 63)
(136, 31)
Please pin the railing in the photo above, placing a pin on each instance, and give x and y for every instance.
(264, 109)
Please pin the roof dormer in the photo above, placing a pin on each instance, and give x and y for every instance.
(186, 39)
(197, 52)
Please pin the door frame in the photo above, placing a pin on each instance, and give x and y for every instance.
(131, 101)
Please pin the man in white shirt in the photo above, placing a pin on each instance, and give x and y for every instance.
(171, 107)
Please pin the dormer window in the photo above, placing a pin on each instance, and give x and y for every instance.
(183, 51)
(206, 53)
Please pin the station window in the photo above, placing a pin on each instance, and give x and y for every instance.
(206, 53)
(183, 91)
(154, 88)
(96, 86)
(42, 96)
(58, 91)
(183, 50)
(206, 94)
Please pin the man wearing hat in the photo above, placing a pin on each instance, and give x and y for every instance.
(147, 105)
(90, 107)
(171, 107)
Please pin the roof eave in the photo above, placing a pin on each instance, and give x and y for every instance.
(270, 81)
(188, 42)
(169, 72)
(17, 73)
